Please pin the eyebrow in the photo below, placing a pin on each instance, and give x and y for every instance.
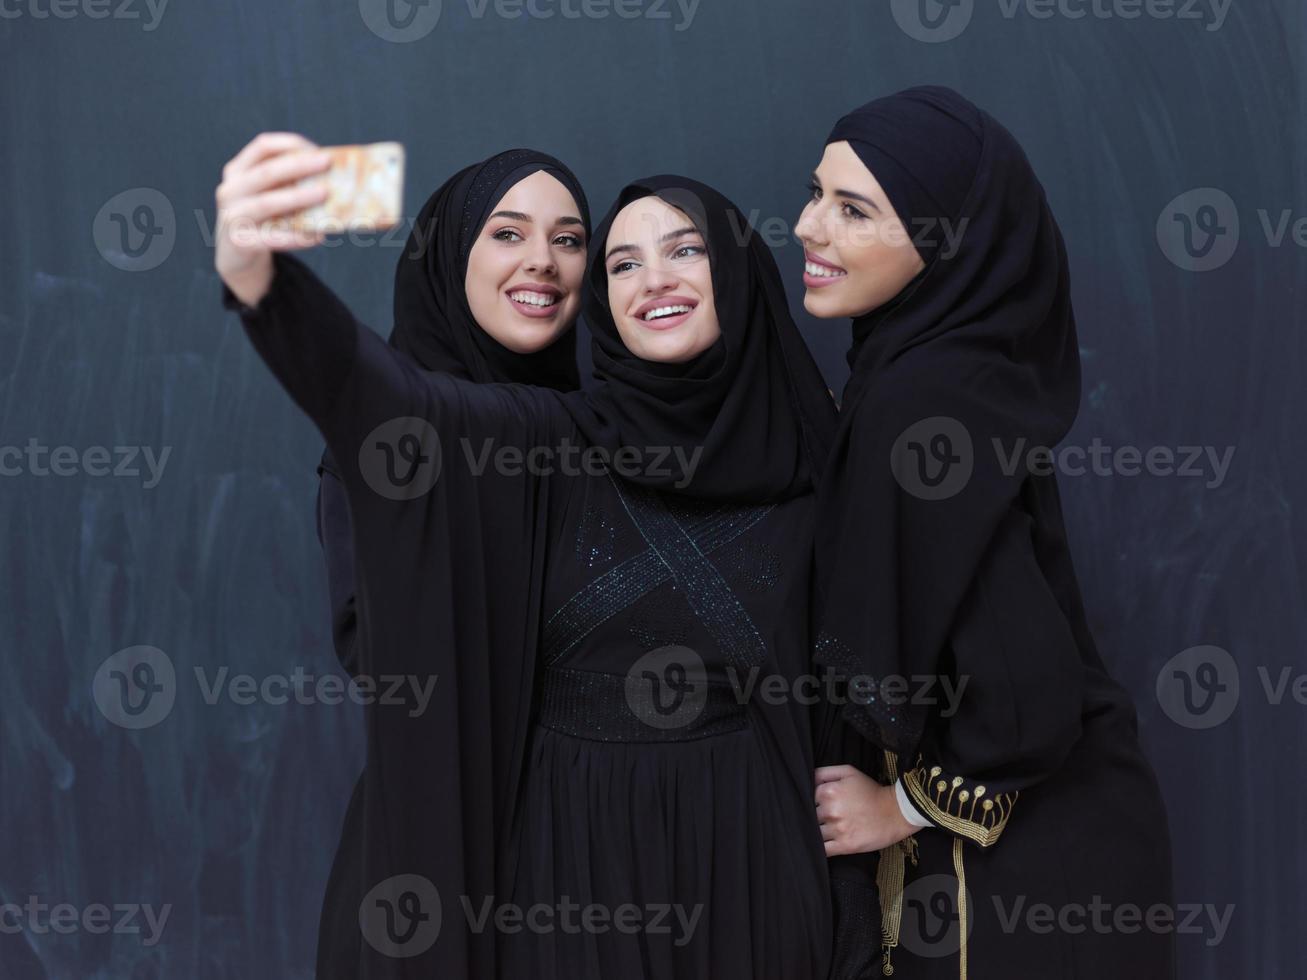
(850, 194)
(670, 236)
(522, 216)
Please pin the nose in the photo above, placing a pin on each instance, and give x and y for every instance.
(811, 229)
(541, 262)
(658, 279)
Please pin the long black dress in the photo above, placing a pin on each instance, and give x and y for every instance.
(586, 745)
(1050, 855)
(435, 327)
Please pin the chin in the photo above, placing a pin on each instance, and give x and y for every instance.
(821, 306)
(529, 341)
(667, 350)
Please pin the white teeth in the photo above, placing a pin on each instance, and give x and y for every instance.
(535, 299)
(813, 269)
(666, 311)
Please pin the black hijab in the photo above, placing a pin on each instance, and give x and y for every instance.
(984, 337)
(754, 403)
(433, 323)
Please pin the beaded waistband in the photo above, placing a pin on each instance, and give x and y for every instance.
(647, 707)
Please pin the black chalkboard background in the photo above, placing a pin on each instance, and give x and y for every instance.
(117, 118)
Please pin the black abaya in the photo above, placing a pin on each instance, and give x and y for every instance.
(1036, 784)
(434, 326)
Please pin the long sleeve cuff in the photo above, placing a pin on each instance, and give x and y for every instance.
(910, 813)
(959, 805)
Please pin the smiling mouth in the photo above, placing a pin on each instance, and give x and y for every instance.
(528, 297)
(822, 271)
(665, 312)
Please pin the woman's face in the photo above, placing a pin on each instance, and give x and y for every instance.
(525, 269)
(660, 283)
(858, 254)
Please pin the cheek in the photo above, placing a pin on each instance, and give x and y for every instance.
(571, 272)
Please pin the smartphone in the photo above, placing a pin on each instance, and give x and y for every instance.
(365, 191)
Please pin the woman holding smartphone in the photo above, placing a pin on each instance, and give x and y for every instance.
(587, 795)
(450, 317)
(928, 227)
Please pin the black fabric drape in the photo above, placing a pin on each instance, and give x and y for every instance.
(984, 337)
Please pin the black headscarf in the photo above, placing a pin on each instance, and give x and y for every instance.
(984, 337)
(433, 322)
(754, 402)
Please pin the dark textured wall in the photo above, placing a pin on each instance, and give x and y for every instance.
(225, 815)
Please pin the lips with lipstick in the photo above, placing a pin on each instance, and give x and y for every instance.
(665, 312)
(535, 299)
(817, 272)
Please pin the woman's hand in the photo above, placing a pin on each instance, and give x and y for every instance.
(258, 185)
(856, 813)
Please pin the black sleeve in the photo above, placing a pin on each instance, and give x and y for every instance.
(336, 535)
(1013, 713)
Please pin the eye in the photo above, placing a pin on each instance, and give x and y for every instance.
(569, 241)
(849, 211)
(688, 251)
(626, 265)
(507, 235)
(814, 191)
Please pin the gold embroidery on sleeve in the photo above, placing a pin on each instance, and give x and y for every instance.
(971, 812)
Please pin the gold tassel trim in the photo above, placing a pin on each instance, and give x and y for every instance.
(962, 907)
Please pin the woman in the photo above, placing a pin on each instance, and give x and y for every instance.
(448, 267)
(585, 758)
(1017, 780)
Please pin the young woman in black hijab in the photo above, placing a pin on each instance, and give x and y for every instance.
(620, 562)
(1025, 786)
(446, 265)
